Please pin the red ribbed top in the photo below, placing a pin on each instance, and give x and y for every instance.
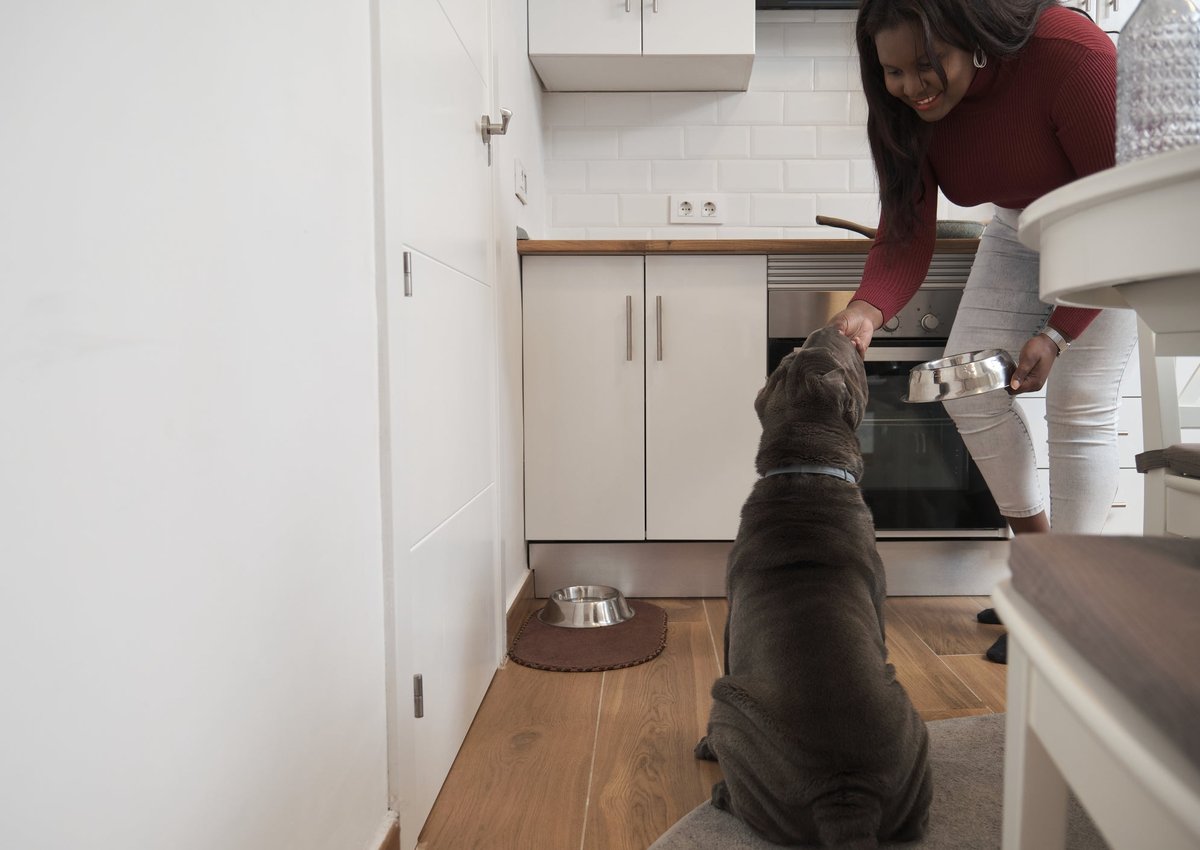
(1027, 125)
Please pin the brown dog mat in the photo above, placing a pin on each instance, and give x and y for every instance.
(565, 650)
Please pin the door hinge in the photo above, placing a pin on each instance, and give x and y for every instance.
(418, 696)
(408, 274)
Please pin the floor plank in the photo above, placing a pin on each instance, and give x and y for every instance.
(651, 716)
(986, 679)
(528, 751)
(946, 624)
(932, 686)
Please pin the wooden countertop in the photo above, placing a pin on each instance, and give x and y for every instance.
(543, 247)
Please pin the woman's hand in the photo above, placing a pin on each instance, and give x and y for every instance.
(858, 322)
(1033, 368)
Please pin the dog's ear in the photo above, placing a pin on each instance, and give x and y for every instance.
(836, 384)
(774, 380)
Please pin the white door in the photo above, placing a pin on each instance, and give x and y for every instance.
(697, 27)
(439, 400)
(706, 359)
(584, 398)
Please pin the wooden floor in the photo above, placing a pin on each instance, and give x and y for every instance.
(603, 761)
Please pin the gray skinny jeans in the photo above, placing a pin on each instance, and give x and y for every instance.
(1000, 309)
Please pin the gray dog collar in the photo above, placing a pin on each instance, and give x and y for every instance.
(815, 469)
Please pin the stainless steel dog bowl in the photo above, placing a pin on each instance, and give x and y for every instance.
(961, 375)
(586, 606)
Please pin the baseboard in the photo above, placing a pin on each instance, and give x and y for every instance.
(522, 604)
(914, 567)
(387, 837)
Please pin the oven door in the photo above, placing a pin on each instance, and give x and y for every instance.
(919, 479)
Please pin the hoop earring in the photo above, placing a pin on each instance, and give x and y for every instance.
(979, 60)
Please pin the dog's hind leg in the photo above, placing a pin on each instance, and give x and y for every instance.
(704, 750)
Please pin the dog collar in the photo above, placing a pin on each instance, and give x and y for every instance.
(815, 469)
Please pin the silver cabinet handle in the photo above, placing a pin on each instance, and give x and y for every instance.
(1122, 433)
(628, 6)
(1120, 504)
(658, 322)
(656, 7)
(629, 327)
(407, 274)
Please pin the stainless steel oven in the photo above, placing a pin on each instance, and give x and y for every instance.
(919, 479)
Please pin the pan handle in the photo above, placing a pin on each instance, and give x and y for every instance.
(864, 229)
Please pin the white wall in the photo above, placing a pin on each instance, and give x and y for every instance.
(516, 87)
(791, 147)
(191, 629)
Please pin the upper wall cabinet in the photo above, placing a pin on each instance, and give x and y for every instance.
(642, 45)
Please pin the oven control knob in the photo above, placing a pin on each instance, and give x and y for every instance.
(891, 324)
(930, 322)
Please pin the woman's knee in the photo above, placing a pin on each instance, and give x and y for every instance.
(977, 413)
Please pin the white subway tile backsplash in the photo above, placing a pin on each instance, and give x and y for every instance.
(861, 208)
(863, 177)
(792, 73)
(816, 107)
(816, 175)
(597, 143)
(716, 142)
(833, 74)
(750, 108)
(683, 175)
(848, 142)
(794, 144)
(648, 210)
(671, 109)
(584, 210)
(783, 142)
(651, 143)
(619, 109)
(818, 39)
(768, 39)
(564, 109)
(618, 176)
(750, 175)
(782, 210)
(566, 176)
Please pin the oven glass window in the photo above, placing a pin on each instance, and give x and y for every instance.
(918, 476)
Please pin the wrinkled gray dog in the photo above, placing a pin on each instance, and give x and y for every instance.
(818, 742)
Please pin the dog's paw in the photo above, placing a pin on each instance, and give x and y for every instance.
(720, 796)
(704, 751)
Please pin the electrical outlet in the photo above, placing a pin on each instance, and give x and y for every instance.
(521, 181)
(697, 208)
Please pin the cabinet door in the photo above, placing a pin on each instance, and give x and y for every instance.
(697, 27)
(706, 359)
(584, 398)
(585, 27)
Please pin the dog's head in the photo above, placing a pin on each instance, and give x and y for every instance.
(824, 377)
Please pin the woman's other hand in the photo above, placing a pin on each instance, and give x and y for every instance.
(1033, 368)
(858, 322)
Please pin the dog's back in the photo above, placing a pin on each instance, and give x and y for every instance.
(818, 742)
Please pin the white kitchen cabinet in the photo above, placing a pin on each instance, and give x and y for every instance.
(584, 398)
(642, 45)
(640, 377)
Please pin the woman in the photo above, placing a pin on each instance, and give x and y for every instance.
(998, 101)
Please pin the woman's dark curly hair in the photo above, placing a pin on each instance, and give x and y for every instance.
(899, 139)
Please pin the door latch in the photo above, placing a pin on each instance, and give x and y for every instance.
(488, 128)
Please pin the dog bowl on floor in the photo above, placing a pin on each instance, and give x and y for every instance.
(585, 606)
(961, 375)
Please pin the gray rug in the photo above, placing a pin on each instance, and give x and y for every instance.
(968, 777)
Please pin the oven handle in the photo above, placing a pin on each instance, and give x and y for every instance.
(877, 353)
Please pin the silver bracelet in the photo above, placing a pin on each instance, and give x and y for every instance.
(1060, 341)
